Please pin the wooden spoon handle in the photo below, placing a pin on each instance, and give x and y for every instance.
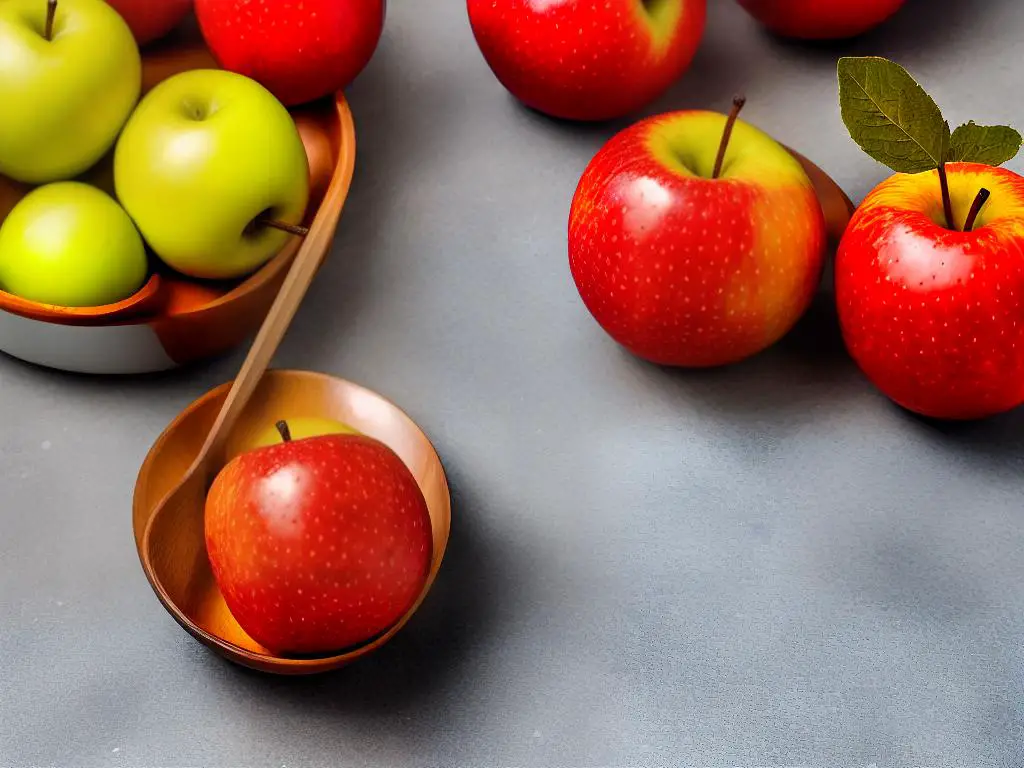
(300, 276)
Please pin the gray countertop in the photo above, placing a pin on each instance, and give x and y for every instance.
(765, 565)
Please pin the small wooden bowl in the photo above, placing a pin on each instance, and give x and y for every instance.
(180, 572)
(173, 321)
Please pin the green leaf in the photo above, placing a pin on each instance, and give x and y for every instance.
(988, 144)
(890, 116)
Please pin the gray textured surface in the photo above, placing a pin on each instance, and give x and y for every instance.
(763, 566)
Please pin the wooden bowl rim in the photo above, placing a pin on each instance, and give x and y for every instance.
(55, 313)
(269, 662)
(121, 313)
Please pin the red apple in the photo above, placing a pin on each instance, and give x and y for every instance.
(299, 51)
(150, 20)
(686, 267)
(587, 59)
(934, 316)
(821, 19)
(318, 544)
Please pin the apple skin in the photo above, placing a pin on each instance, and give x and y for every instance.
(300, 427)
(318, 544)
(931, 316)
(685, 270)
(204, 154)
(300, 51)
(70, 245)
(587, 60)
(151, 20)
(64, 101)
(818, 20)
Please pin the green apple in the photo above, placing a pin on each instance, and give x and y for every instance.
(299, 428)
(207, 155)
(71, 245)
(64, 99)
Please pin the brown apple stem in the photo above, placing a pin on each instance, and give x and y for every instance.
(947, 202)
(293, 229)
(737, 105)
(51, 13)
(282, 428)
(979, 203)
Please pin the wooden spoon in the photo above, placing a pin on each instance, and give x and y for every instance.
(183, 506)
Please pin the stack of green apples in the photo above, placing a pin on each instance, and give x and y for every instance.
(210, 175)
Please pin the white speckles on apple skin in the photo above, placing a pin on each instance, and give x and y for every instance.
(287, 590)
(688, 271)
(584, 59)
(932, 316)
(299, 51)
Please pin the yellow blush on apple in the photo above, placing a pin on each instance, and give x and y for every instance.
(302, 427)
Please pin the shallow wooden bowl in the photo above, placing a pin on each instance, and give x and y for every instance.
(175, 561)
(172, 321)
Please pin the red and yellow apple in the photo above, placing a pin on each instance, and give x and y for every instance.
(821, 19)
(934, 316)
(151, 20)
(686, 269)
(587, 59)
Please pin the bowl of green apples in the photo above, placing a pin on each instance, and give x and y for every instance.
(150, 201)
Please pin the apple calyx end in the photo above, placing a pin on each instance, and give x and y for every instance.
(979, 202)
(737, 104)
(284, 431)
(51, 13)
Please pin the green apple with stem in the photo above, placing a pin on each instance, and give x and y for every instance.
(70, 245)
(70, 74)
(212, 169)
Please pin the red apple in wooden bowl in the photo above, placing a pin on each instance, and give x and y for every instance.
(313, 552)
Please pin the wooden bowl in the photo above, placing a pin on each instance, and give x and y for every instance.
(835, 203)
(172, 320)
(178, 569)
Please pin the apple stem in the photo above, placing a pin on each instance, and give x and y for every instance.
(947, 202)
(282, 428)
(737, 105)
(293, 229)
(51, 12)
(979, 203)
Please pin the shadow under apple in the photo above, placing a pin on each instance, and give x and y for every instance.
(995, 443)
(806, 369)
(420, 666)
(918, 24)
